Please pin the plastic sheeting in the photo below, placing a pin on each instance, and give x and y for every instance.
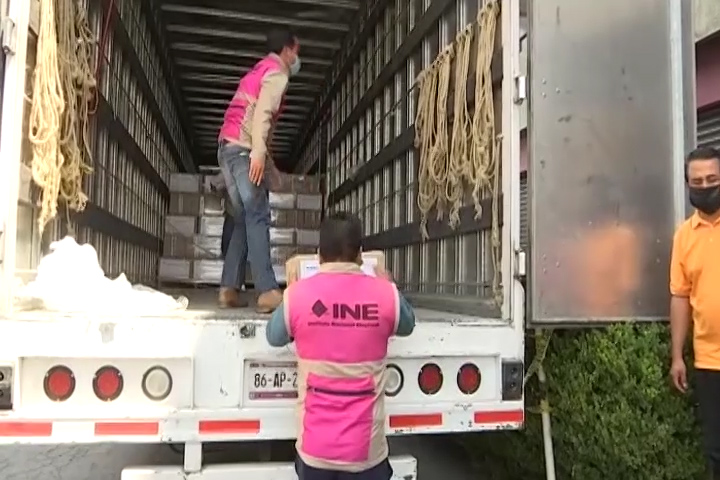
(70, 280)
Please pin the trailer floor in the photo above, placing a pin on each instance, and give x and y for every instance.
(203, 306)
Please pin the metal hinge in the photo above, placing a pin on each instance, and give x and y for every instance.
(520, 89)
(520, 264)
(8, 32)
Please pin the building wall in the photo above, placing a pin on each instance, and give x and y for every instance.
(707, 58)
(707, 18)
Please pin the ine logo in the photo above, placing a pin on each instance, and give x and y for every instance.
(319, 309)
(342, 311)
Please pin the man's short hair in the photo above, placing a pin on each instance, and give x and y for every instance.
(340, 238)
(701, 153)
(279, 38)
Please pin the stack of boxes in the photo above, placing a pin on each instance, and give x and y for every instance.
(193, 227)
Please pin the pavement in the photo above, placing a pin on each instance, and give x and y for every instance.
(437, 459)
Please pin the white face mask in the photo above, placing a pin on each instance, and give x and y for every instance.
(295, 66)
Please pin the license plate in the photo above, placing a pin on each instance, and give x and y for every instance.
(271, 380)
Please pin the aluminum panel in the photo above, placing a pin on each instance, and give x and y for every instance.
(606, 141)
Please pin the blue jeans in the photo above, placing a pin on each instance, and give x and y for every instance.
(251, 232)
(227, 231)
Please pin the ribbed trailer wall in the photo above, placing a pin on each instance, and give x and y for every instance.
(137, 142)
(372, 164)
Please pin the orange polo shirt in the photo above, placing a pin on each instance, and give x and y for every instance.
(695, 273)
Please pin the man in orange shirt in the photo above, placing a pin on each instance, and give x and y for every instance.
(695, 285)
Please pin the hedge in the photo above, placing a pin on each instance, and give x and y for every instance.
(614, 414)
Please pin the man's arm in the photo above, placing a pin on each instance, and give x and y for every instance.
(276, 332)
(680, 311)
(406, 324)
(268, 103)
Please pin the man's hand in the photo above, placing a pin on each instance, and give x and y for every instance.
(257, 170)
(382, 273)
(678, 374)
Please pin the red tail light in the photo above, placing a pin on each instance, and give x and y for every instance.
(469, 378)
(59, 383)
(430, 379)
(108, 383)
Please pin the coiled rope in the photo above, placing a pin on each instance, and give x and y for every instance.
(63, 87)
(468, 157)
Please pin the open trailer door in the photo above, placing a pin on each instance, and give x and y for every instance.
(14, 23)
(611, 116)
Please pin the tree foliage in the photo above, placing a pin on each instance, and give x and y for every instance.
(614, 414)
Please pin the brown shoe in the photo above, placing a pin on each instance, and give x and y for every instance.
(268, 301)
(229, 298)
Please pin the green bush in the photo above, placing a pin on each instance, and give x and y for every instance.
(614, 414)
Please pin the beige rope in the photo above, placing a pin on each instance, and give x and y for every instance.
(470, 161)
(63, 85)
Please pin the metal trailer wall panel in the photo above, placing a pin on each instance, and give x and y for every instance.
(137, 141)
(607, 136)
(372, 165)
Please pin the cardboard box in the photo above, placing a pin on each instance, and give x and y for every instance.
(207, 271)
(174, 269)
(185, 182)
(212, 204)
(309, 202)
(308, 220)
(185, 204)
(304, 266)
(307, 238)
(283, 218)
(177, 246)
(211, 226)
(180, 225)
(282, 236)
(281, 254)
(281, 200)
(207, 247)
(306, 184)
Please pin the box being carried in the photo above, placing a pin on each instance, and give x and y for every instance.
(304, 266)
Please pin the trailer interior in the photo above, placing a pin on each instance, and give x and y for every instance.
(166, 75)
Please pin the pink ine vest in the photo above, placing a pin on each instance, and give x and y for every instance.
(341, 323)
(247, 92)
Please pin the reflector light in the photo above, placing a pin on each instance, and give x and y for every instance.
(59, 383)
(468, 378)
(394, 380)
(157, 383)
(108, 383)
(430, 379)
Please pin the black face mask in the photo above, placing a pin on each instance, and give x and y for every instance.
(707, 199)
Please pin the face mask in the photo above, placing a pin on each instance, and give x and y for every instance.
(707, 199)
(295, 66)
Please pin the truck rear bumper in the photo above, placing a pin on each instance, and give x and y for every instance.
(405, 468)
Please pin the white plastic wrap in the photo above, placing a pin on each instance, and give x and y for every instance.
(70, 280)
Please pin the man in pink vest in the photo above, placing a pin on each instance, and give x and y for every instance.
(341, 320)
(244, 160)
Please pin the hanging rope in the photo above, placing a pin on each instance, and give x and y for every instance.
(470, 162)
(62, 91)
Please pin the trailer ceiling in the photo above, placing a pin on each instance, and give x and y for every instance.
(213, 43)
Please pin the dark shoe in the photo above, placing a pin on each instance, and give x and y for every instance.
(229, 298)
(268, 301)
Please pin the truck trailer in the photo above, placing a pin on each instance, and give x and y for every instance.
(587, 97)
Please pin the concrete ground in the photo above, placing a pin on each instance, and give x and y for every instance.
(437, 459)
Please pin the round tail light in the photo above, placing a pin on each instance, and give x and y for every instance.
(108, 383)
(393, 381)
(430, 379)
(468, 379)
(157, 383)
(59, 383)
